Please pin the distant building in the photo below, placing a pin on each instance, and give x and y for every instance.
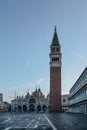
(78, 94)
(1, 102)
(65, 102)
(34, 102)
(6, 107)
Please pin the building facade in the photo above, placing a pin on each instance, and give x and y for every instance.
(6, 107)
(78, 94)
(31, 102)
(65, 102)
(55, 74)
(1, 102)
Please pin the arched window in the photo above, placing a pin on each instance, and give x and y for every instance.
(58, 59)
(64, 100)
(32, 100)
(52, 59)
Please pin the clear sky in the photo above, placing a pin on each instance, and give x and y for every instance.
(26, 31)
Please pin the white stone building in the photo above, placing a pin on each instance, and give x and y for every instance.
(34, 102)
(1, 102)
(78, 94)
(65, 102)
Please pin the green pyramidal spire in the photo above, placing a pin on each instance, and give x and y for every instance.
(55, 41)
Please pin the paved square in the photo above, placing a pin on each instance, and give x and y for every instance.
(46, 121)
(24, 121)
(68, 121)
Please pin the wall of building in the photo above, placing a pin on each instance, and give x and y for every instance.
(78, 94)
(65, 102)
(1, 102)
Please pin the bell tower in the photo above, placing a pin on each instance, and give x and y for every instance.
(55, 74)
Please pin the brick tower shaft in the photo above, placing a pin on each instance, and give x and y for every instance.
(55, 74)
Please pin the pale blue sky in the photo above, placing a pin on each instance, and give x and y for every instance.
(26, 31)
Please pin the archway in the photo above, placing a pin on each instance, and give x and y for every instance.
(32, 107)
(24, 108)
(19, 108)
(39, 108)
(44, 108)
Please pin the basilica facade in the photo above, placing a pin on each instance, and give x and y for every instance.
(30, 102)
